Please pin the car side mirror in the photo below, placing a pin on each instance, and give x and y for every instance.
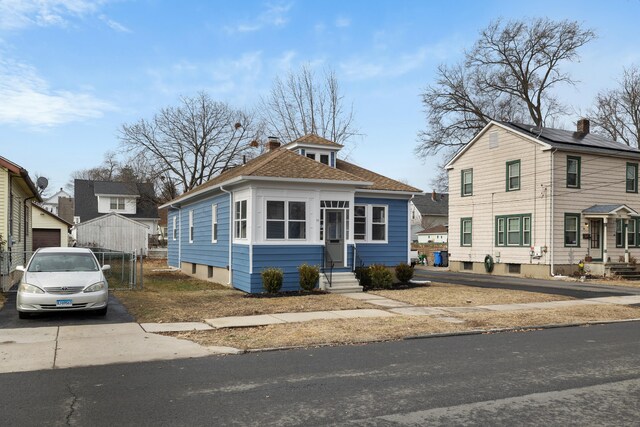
(106, 267)
(20, 268)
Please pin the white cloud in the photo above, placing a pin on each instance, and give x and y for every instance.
(28, 99)
(17, 14)
(342, 22)
(116, 26)
(275, 15)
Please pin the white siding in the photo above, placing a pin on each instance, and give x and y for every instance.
(113, 232)
(104, 205)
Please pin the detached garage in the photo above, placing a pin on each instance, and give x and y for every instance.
(113, 232)
(48, 229)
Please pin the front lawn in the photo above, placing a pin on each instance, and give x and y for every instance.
(176, 297)
(2, 299)
(448, 295)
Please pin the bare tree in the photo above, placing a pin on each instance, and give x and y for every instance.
(193, 142)
(440, 182)
(616, 113)
(509, 74)
(302, 104)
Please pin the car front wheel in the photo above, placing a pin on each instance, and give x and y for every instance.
(23, 315)
(102, 311)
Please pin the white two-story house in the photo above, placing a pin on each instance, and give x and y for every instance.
(536, 201)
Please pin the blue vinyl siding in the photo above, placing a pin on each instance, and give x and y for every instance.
(286, 257)
(241, 279)
(396, 249)
(201, 251)
(172, 245)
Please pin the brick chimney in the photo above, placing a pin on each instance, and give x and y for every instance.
(433, 195)
(583, 126)
(273, 143)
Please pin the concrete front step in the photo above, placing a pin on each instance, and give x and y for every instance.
(342, 282)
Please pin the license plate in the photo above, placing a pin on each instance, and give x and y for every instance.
(64, 303)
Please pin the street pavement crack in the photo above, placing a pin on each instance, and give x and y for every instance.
(72, 405)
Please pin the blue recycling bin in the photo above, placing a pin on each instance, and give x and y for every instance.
(437, 259)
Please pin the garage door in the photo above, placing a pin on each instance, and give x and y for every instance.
(44, 237)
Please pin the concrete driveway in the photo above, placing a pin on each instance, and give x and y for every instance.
(9, 316)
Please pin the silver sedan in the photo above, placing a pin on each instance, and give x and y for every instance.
(58, 279)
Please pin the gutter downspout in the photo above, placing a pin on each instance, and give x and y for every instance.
(408, 233)
(552, 243)
(230, 234)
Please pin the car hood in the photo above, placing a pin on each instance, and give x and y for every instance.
(63, 278)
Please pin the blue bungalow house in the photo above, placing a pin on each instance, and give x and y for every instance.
(294, 204)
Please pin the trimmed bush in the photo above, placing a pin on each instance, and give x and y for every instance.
(309, 275)
(404, 272)
(381, 277)
(364, 277)
(272, 279)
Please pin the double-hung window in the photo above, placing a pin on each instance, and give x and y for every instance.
(240, 220)
(191, 228)
(370, 223)
(571, 229)
(214, 223)
(573, 172)
(286, 220)
(467, 182)
(513, 230)
(465, 231)
(631, 232)
(116, 203)
(632, 178)
(513, 175)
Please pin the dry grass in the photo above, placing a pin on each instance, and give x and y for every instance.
(350, 331)
(175, 297)
(449, 295)
(2, 299)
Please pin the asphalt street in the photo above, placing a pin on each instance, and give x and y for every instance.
(565, 376)
(558, 287)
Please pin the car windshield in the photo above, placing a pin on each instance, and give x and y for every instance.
(56, 262)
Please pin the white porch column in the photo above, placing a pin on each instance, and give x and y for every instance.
(626, 239)
(604, 241)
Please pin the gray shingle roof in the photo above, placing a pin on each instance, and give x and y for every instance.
(607, 209)
(427, 206)
(86, 202)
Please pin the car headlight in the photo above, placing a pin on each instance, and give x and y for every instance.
(29, 289)
(95, 287)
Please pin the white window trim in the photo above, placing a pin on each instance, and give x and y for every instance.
(174, 232)
(117, 200)
(236, 220)
(214, 223)
(191, 227)
(369, 224)
(286, 220)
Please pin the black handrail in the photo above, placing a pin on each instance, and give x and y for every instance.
(326, 254)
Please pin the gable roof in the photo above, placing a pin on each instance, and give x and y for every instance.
(560, 139)
(53, 199)
(434, 230)
(282, 163)
(116, 188)
(52, 215)
(427, 206)
(608, 209)
(86, 202)
(313, 139)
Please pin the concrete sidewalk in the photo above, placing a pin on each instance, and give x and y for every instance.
(31, 349)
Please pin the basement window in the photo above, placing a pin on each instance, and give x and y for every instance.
(193, 268)
(210, 272)
(467, 265)
(514, 268)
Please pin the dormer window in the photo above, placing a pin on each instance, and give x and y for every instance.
(324, 159)
(316, 148)
(312, 156)
(116, 203)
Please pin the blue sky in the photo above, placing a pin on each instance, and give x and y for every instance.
(73, 71)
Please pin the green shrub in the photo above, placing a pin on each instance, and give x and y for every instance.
(272, 279)
(309, 275)
(404, 272)
(381, 277)
(364, 277)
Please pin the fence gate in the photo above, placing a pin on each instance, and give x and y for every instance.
(123, 275)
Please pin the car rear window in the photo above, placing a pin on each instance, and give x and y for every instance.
(56, 262)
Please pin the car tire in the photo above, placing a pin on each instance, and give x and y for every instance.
(23, 315)
(102, 311)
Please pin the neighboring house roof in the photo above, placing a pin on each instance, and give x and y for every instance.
(52, 215)
(86, 202)
(608, 209)
(282, 163)
(438, 229)
(426, 204)
(550, 138)
(116, 188)
(53, 200)
(22, 172)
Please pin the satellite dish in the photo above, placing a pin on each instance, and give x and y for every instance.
(42, 182)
